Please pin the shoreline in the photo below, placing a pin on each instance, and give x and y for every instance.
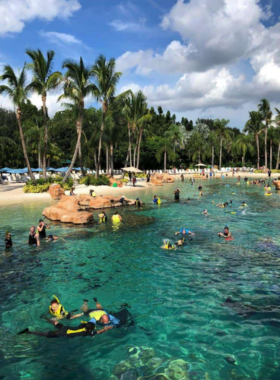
(13, 193)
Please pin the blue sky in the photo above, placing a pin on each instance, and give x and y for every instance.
(197, 58)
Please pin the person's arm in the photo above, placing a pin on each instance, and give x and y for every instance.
(40, 228)
(37, 239)
(105, 329)
(191, 233)
(177, 233)
(76, 316)
(120, 217)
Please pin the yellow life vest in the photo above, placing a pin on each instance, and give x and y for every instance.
(93, 194)
(158, 201)
(60, 312)
(116, 219)
(97, 314)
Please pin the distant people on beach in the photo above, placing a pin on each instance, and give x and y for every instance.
(72, 191)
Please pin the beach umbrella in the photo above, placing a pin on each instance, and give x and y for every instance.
(200, 164)
(132, 169)
(18, 171)
(37, 170)
(51, 170)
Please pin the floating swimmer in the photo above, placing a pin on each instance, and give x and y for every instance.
(180, 242)
(57, 310)
(168, 245)
(243, 204)
(156, 200)
(185, 231)
(205, 212)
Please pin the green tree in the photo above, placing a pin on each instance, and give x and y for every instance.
(43, 81)
(17, 92)
(255, 126)
(265, 111)
(77, 86)
(106, 82)
(277, 133)
(242, 145)
(224, 134)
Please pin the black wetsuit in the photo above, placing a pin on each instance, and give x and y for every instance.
(177, 195)
(65, 331)
(32, 240)
(8, 242)
(138, 204)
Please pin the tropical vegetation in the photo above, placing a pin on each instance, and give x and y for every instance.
(121, 130)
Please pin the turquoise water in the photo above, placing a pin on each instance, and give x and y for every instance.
(176, 297)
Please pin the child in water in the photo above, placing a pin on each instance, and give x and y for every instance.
(8, 240)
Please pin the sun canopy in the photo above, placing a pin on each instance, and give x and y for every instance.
(5, 170)
(132, 169)
(200, 165)
(18, 171)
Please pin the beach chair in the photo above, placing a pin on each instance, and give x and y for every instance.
(10, 178)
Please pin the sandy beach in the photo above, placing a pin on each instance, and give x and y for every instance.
(13, 193)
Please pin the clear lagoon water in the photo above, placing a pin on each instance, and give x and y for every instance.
(177, 298)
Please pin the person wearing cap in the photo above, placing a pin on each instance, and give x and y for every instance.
(41, 229)
(122, 200)
(138, 203)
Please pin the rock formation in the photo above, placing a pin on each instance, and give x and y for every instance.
(75, 209)
(159, 179)
(56, 191)
(277, 184)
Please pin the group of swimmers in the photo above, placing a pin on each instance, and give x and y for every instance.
(96, 317)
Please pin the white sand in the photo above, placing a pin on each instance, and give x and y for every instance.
(13, 193)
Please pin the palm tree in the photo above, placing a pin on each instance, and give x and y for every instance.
(255, 126)
(43, 81)
(17, 92)
(172, 137)
(277, 120)
(242, 145)
(77, 86)
(224, 135)
(213, 141)
(34, 134)
(265, 111)
(106, 79)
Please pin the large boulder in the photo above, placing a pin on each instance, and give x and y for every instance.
(73, 209)
(56, 191)
(68, 210)
(277, 184)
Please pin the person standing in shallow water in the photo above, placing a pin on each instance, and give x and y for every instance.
(33, 238)
(8, 240)
(177, 194)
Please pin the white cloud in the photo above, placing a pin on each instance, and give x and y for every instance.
(16, 13)
(56, 37)
(127, 26)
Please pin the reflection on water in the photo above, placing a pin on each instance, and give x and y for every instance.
(212, 303)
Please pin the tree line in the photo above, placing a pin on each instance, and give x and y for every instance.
(124, 131)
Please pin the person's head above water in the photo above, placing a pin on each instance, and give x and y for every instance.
(90, 326)
(54, 305)
(32, 229)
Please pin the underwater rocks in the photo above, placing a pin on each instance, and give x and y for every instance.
(142, 364)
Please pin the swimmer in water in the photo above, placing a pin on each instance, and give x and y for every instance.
(184, 231)
(167, 245)
(84, 329)
(225, 233)
(205, 212)
(102, 217)
(8, 240)
(33, 238)
(138, 203)
(51, 238)
(243, 204)
(180, 242)
(116, 218)
(58, 312)
(177, 194)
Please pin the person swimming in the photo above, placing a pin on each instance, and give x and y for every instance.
(8, 240)
(52, 238)
(84, 329)
(180, 242)
(156, 200)
(57, 310)
(184, 231)
(167, 245)
(243, 204)
(205, 212)
(138, 203)
(110, 320)
(102, 217)
(226, 234)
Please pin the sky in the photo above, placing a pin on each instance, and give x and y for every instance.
(196, 58)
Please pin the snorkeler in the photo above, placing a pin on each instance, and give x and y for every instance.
(84, 329)
(8, 240)
(52, 238)
(184, 231)
(156, 200)
(205, 212)
(116, 218)
(110, 320)
(138, 203)
(58, 312)
(167, 245)
(226, 234)
(180, 242)
(102, 217)
(33, 238)
(177, 194)
(243, 204)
